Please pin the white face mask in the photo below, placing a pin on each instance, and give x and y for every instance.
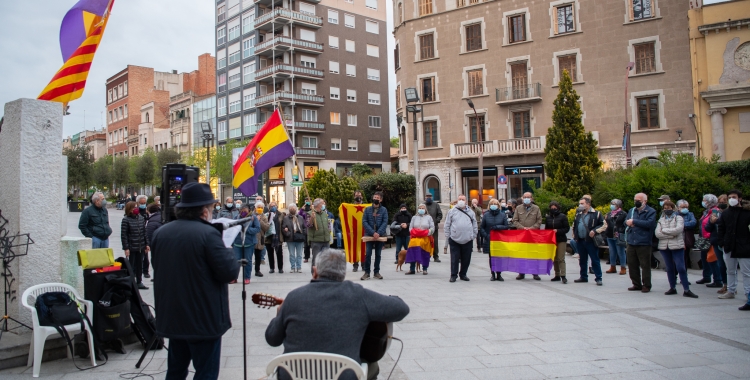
(461, 204)
(734, 202)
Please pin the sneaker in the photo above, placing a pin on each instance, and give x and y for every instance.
(580, 280)
(464, 278)
(727, 296)
(715, 285)
(233, 282)
(424, 272)
(591, 270)
(536, 277)
(396, 262)
(556, 278)
(689, 294)
(141, 286)
(720, 291)
(355, 269)
(520, 276)
(564, 279)
(378, 276)
(247, 281)
(146, 275)
(598, 282)
(365, 276)
(453, 279)
(305, 260)
(670, 292)
(263, 262)
(744, 307)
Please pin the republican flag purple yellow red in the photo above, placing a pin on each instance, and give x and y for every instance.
(270, 146)
(352, 231)
(81, 32)
(421, 245)
(522, 251)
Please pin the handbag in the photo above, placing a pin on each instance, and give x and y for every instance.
(599, 240)
(701, 242)
(689, 239)
(621, 242)
(711, 256)
(112, 322)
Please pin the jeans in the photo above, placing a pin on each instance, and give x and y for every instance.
(722, 265)
(639, 264)
(574, 246)
(615, 252)
(402, 242)
(205, 354)
(136, 262)
(378, 245)
(279, 250)
(559, 263)
(710, 269)
(732, 273)
(675, 261)
(99, 243)
(263, 254)
(317, 248)
(460, 253)
(339, 240)
(245, 253)
(295, 254)
(589, 249)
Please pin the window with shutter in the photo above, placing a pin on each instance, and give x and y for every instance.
(519, 78)
(645, 58)
(517, 28)
(425, 7)
(476, 128)
(428, 89)
(648, 112)
(430, 134)
(473, 37)
(476, 84)
(565, 19)
(426, 47)
(567, 62)
(521, 124)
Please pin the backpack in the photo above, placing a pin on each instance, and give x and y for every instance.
(57, 309)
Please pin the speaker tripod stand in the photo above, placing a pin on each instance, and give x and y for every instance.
(10, 248)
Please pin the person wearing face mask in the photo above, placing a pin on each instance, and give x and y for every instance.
(190, 291)
(436, 213)
(585, 226)
(734, 236)
(295, 233)
(134, 241)
(528, 217)
(374, 223)
(357, 201)
(494, 220)
(418, 225)
(662, 199)
(318, 234)
(506, 209)
(460, 231)
(245, 243)
(640, 223)
(153, 223)
(705, 241)
(259, 198)
(558, 222)
(274, 238)
(306, 211)
(400, 229)
(141, 200)
(216, 210)
(689, 222)
(669, 231)
(94, 222)
(229, 210)
(478, 215)
(615, 232)
(718, 249)
(260, 245)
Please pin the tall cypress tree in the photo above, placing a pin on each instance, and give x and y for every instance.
(572, 162)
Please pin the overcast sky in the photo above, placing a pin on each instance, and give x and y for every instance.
(163, 34)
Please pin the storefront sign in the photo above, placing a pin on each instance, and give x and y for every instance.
(277, 182)
(296, 184)
(521, 170)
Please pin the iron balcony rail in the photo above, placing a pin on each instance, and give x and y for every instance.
(290, 14)
(289, 96)
(288, 41)
(509, 147)
(309, 125)
(309, 151)
(518, 93)
(289, 69)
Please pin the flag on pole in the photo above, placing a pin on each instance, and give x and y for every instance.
(352, 231)
(270, 146)
(522, 251)
(81, 32)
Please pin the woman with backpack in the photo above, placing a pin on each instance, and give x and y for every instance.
(134, 240)
(295, 234)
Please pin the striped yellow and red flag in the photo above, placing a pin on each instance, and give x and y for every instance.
(81, 32)
(522, 251)
(352, 231)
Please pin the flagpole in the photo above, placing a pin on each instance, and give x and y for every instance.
(283, 124)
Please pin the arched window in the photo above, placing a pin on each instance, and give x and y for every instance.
(432, 186)
(651, 160)
(147, 117)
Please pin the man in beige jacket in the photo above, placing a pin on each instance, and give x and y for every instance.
(527, 217)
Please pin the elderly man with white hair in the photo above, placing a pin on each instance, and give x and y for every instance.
(640, 222)
(94, 222)
(318, 234)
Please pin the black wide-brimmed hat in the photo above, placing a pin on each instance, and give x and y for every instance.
(196, 194)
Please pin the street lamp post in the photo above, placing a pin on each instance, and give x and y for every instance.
(413, 97)
(208, 138)
(626, 144)
(480, 168)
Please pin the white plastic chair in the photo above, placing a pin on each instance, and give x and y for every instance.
(316, 366)
(41, 333)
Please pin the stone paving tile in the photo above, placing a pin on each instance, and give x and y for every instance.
(616, 353)
(508, 360)
(507, 373)
(680, 360)
(741, 369)
(702, 373)
(729, 356)
(443, 375)
(449, 363)
(565, 356)
(640, 375)
(574, 369)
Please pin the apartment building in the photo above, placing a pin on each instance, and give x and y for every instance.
(93, 139)
(507, 58)
(324, 63)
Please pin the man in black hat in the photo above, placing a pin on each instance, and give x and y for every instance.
(190, 293)
(437, 215)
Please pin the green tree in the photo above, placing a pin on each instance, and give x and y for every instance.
(394, 141)
(102, 172)
(145, 168)
(397, 188)
(121, 172)
(327, 185)
(164, 157)
(572, 160)
(360, 171)
(80, 166)
(198, 159)
(221, 162)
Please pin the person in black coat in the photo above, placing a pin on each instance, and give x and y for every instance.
(153, 222)
(401, 222)
(734, 236)
(494, 220)
(558, 221)
(587, 222)
(190, 293)
(134, 241)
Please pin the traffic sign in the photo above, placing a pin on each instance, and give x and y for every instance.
(296, 184)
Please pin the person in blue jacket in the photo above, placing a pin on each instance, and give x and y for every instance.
(374, 223)
(244, 243)
(640, 222)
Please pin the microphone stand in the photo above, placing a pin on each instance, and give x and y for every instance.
(244, 314)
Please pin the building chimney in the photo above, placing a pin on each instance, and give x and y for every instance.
(174, 71)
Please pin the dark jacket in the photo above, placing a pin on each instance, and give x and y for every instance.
(312, 314)
(402, 217)
(288, 224)
(277, 238)
(152, 224)
(492, 220)
(616, 223)
(231, 213)
(733, 232)
(644, 224)
(435, 212)
(595, 221)
(248, 236)
(94, 222)
(190, 292)
(560, 223)
(133, 233)
(375, 220)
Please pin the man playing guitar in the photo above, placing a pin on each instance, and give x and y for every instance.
(331, 315)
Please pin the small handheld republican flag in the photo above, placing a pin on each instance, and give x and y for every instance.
(270, 146)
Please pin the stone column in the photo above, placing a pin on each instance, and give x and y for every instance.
(717, 132)
(31, 157)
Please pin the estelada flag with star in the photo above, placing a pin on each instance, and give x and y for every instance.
(352, 231)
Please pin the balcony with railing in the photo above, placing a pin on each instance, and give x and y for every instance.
(528, 145)
(287, 43)
(289, 97)
(286, 71)
(269, 2)
(309, 126)
(310, 152)
(519, 94)
(133, 140)
(283, 16)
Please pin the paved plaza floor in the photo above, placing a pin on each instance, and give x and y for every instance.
(497, 330)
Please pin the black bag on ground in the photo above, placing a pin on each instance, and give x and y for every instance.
(144, 323)
(112, 322)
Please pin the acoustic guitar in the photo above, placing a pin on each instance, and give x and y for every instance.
(375, 344)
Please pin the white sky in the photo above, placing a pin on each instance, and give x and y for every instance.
(165, 34)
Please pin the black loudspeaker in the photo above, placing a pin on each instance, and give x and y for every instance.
(174, 177)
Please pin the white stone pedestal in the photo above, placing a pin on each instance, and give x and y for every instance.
(31, 164)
